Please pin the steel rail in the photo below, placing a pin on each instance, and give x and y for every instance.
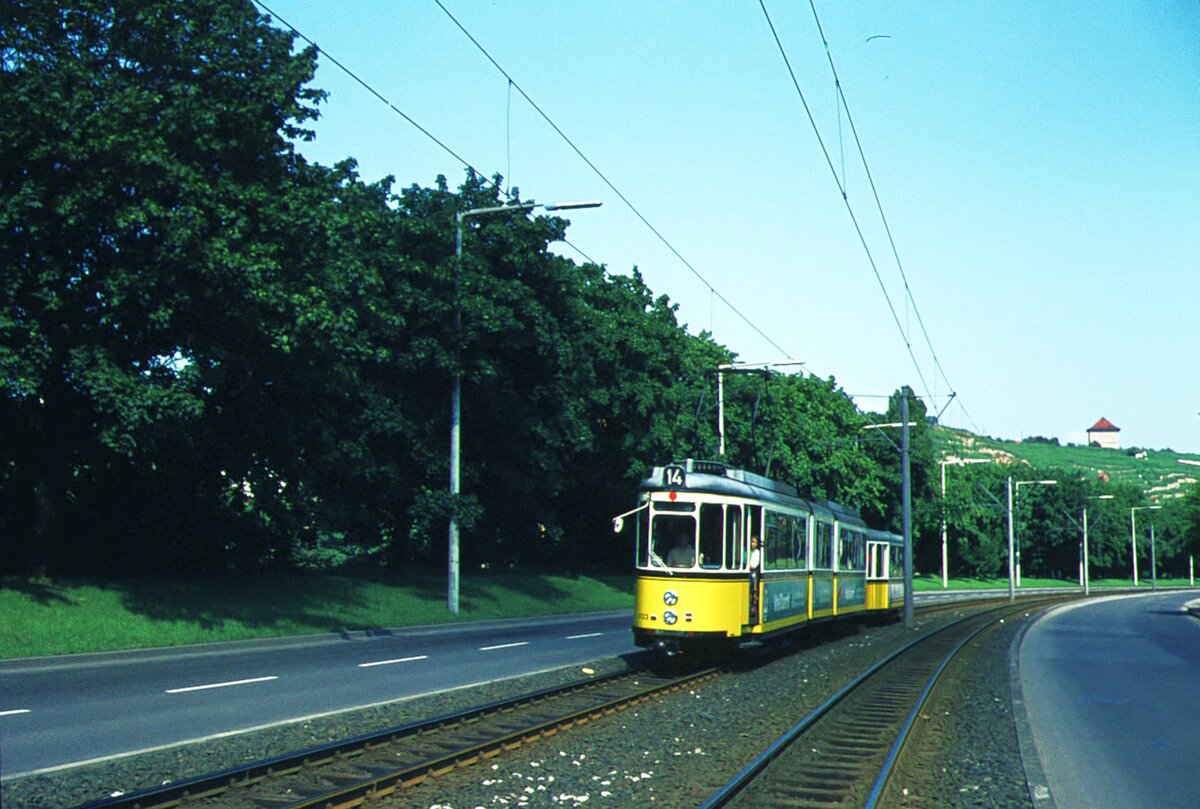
(209, 786)
(885, 772)
(732, 789)
(382, 785)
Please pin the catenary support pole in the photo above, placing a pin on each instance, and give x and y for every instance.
(906, 518)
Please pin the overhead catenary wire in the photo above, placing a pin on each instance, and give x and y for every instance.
(845, 198)
(604, 178)
(714, 293)
(879, 206)
(512, 84)
(436, 140)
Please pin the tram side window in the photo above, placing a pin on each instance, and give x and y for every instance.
(781, 549)
(781, 531)
(800, 543)
(771, 540)
(733, 537)
(754, 522)
(897, 561)
(850, 551)
(823, 546)
(674, 538)
(711, 535)
(787, 525)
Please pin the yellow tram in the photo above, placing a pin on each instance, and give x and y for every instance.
(726, 557)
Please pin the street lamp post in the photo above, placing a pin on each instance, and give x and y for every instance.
(945, 537)
(456, 383)
(1133, 535)
(1153, 560)
(1085, 580)
(1016, 495)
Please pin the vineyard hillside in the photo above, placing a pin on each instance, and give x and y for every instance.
(1158, 473)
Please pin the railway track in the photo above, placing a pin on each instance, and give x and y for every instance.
(348, 773)
(843, 753)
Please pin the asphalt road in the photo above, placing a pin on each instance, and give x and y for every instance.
(58, 712)
(1111, 694)
(61, 712)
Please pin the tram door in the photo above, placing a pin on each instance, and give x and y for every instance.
(754, 559)
(877, 575)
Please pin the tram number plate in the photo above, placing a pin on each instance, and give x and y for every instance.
(674, 477)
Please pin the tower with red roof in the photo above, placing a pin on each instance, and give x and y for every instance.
(1105, 434)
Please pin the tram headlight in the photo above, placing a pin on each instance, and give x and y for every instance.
(670, 598)
(669, 617)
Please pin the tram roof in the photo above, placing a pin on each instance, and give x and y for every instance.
(715, 477)
(875, 535)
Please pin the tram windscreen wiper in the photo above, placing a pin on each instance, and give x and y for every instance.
(656, 559)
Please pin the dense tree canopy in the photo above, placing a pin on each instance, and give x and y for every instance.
(215, 355)
(145, 234)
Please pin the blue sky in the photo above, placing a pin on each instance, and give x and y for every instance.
(1038, 164)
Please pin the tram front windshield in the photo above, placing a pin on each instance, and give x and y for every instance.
(689, 535)
(673, 540)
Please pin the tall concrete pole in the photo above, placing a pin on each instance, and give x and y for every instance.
(906, 513)
(1087, 578)
(1012, 593)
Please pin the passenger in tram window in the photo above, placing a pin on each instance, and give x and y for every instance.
(755, 554)
(683, 554)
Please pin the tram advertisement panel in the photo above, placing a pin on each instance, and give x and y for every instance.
(852, 591)
(785, 599)
(822, 595)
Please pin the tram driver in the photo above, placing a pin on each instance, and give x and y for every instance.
(684, 552)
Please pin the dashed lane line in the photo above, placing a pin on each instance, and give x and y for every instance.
(503, 646)
(219, 685)
(390, 662)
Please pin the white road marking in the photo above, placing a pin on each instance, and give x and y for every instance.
(389, 662)
(14, 712)
(219, 685)
(589, 635)
(503, 646)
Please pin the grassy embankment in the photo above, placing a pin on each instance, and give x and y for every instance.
(52, 618)
(68, 617)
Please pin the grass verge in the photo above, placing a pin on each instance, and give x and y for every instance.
(930, 582)
(44, 617)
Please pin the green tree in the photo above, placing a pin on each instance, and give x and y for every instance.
(812, 436)
(1189, 524)
(977, 524)
(641, 378)
(143, 154)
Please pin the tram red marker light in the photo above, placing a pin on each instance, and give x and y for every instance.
(672, 495)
